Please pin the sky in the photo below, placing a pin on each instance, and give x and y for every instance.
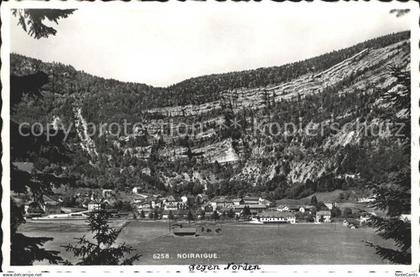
(161, 45)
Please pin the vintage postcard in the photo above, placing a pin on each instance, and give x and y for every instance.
(210, 137)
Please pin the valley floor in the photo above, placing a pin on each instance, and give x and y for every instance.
(259, 244)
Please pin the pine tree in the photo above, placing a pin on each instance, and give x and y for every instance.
(215, 215)
(32, 20)
(393, 191)
(314, 201)
(190, 216)
(47, 156)
(103, 250)
(171, 215)
(246, 212)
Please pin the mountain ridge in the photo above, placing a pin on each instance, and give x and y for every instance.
(310, 67)
(227, 154)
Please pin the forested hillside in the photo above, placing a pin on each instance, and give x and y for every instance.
(234, 137)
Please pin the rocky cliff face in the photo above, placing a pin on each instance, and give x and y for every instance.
(367, 70)
(229, 140)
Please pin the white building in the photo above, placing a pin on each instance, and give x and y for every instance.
(282, 208)
(106, 193)
(93, 206)
(184, 199)
(323, 217)
(137, 191)
(366, 199)
(173, 205)
(406, 217)
(237, 201)
(221, 203)
(329, 205)
(267, 217)
(364, 219)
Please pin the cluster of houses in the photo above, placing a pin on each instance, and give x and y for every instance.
(255, 204)
(180, 206)
(256, 208)
(148, 205)
(54, 207)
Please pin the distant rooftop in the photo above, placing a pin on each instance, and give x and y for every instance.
(276, 214)
(251, 206)
(323, 213)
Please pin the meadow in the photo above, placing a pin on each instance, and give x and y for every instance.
(262, 244)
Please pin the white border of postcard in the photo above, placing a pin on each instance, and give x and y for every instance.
(296, 270)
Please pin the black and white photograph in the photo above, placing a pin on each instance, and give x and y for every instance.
(212, 137)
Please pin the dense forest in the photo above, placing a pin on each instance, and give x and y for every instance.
(108, 100)
(207, 88)
(182, 164)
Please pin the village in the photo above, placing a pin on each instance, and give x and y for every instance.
(191, 208)
(261, 140)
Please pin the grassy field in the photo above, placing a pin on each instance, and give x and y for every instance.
(263, 244)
